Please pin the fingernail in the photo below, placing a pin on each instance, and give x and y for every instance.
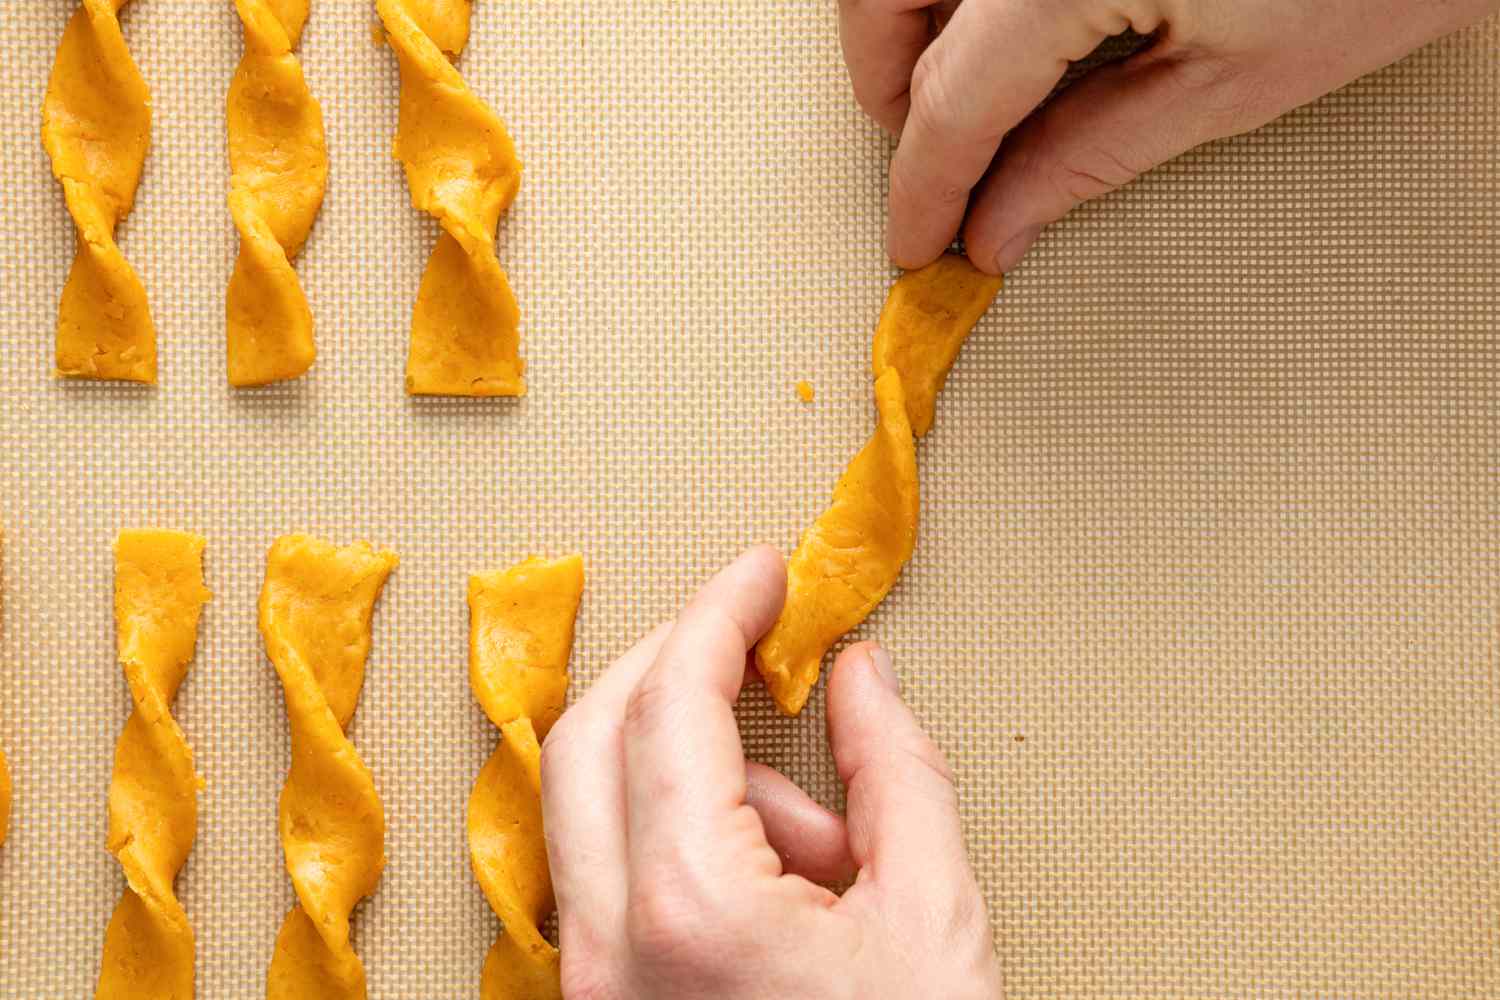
(1013, 249)
(885, 669)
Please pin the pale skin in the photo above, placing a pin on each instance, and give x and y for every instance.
(683, 872)
(960, 83)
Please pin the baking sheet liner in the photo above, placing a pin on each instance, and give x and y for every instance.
(1204, 605)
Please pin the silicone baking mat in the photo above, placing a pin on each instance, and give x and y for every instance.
(1204, 604)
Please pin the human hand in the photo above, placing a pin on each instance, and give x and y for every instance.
(953, 79)
(682, 872)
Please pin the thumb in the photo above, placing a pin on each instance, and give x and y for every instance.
(902, 810)
(1099, 134)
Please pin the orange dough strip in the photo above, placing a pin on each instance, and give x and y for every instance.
(278, 171)
(153, 793)
(315, 611)
(96, 126)
(520, 638)
(849, 558)
(462, 169)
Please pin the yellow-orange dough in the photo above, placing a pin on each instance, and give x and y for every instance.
(805, 391)
(96, 126)
(849, 559)
(153, 794)
(520, 638)
(462, 169)
(927, 317)
(278, 170)
(315, 611)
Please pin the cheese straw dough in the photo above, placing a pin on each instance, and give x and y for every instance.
(927, 317)
(153, 795)
(96, 125)
(315, 611)
(462, 169)
(849, 559)
(520, 638)
(279, 168)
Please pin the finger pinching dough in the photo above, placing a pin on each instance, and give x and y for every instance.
(462, 168)
(849, 559)
(520, 638)
(315, 611)
(153, 794)
(96, 125)
(278, 171)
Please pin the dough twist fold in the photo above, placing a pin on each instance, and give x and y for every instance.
(96, 126)
(278, 172)
(520, 638)
(462, 169)
(153, 794)
(315, 611)
(850, 557)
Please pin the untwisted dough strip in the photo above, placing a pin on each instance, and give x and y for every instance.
(279, 169)
(315, 611)
(462, 168)
(520, 638)
(96, 125)
(153, 794)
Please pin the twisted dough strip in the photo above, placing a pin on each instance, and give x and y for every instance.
(315, 610)
(96, 125)
(462, 169)
(153, 803)
(520, 637)
(850, 557)
(279, 168)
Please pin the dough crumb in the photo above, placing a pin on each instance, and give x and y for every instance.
(805, 391)
(377, 34)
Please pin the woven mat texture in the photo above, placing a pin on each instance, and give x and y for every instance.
(1204, 608)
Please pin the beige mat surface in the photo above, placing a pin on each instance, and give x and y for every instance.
(1204, 608)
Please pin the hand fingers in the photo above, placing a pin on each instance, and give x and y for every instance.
(994, 63)
(684, 766)
(811, 841)
(902, 816)
(1099, 134)
(882, 40)
(583, 801)
(904, 830)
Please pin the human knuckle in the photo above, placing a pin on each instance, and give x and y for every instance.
(586, 978)
(667, 925)
(1227, 97)
(963, 918)
(932, 99)
(922, 183)
(557, 741)
(647, 703)
(928, 758)
(1090, 171)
